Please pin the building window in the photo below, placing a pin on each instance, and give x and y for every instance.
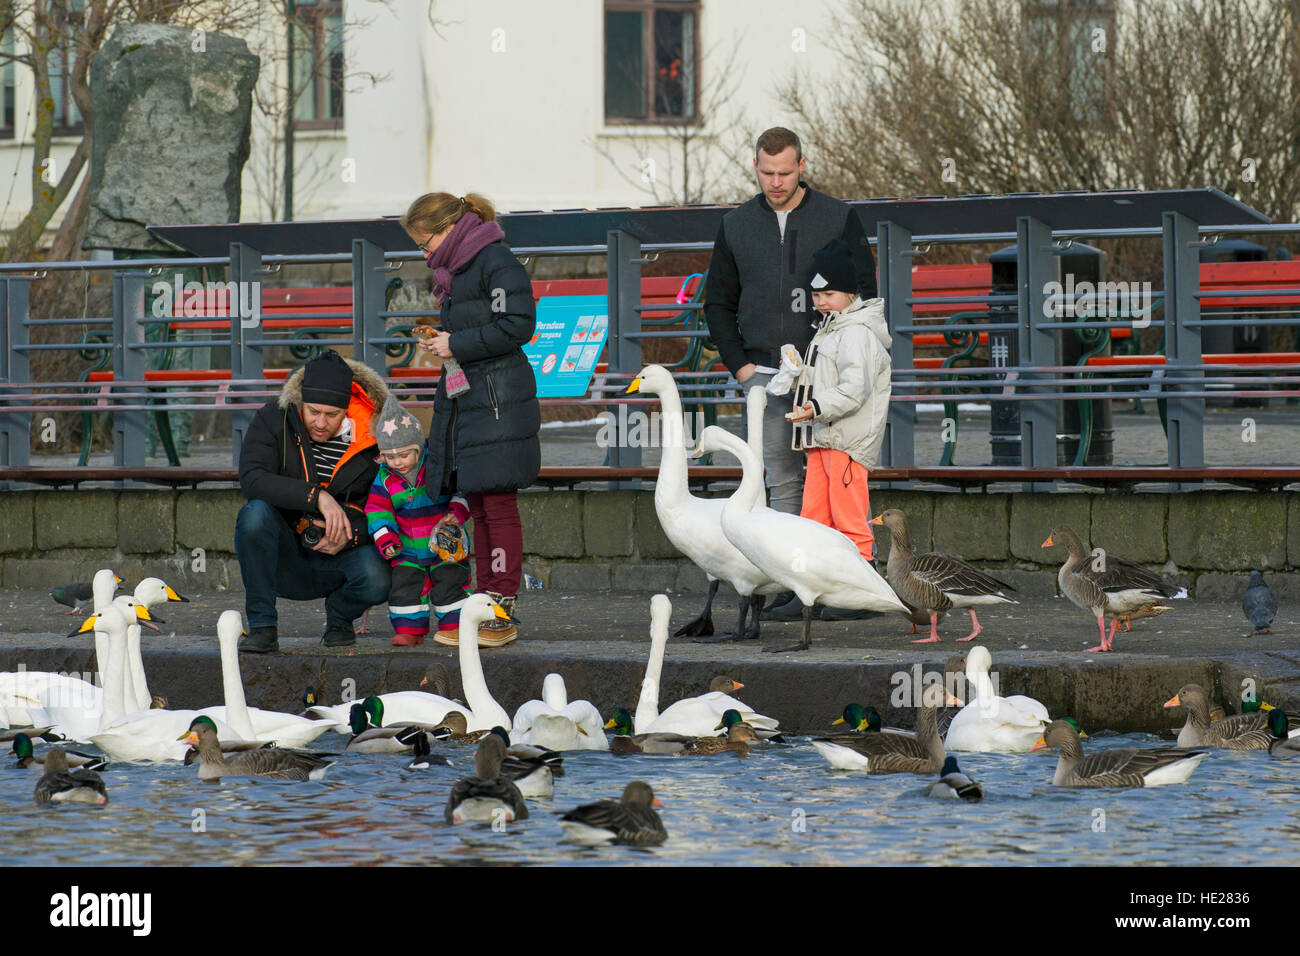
(1076, 35)
(66, 24)
(651, 61)
(7, 82)
(317, 31)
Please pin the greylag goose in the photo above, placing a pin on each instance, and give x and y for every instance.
(61, 785)
(1239, 732)
(1115, 588)
(1259, 604)
(1154, 767)
(489, 795)
(1283, 744)
(954, 665)
(281, 763)
(29, 760)
(529, 767)
(933, 583)
(891, 753)
(955, 785)
(631, 820)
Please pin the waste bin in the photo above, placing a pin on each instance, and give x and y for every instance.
(1084, 264)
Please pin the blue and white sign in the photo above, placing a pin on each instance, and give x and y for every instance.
(566, 344)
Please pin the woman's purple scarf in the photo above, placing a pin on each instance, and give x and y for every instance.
(470, 236)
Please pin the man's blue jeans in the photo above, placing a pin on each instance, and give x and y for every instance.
(274, 563)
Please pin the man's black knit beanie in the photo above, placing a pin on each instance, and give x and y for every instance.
(327, 381)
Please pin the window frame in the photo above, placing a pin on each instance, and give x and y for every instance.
(310, 17)
(65, 47)
(647, 9)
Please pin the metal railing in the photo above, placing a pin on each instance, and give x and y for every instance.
(1035, 383)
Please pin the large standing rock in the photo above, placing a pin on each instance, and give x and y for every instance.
(171, 129)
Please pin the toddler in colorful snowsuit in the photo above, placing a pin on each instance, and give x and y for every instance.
(405, 524)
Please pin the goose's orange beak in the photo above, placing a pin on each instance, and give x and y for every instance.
(658, 803)
(189, 737)
(875, 520)
(1039, 744)
(1173, 702)
(736, 685)
(1049, 542)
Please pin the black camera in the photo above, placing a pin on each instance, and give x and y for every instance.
(309, 532)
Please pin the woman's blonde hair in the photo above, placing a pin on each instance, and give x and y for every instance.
(434, 212)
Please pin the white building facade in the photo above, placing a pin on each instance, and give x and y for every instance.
(537, 104)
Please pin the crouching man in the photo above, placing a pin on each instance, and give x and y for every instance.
(306, 467)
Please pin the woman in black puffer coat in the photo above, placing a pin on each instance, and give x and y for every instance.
(483, 442)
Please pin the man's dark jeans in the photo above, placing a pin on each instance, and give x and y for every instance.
(274, 564)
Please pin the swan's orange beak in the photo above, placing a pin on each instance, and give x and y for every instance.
(1173, 702)
(634, 387)
(1049, 542)
(1039, 744)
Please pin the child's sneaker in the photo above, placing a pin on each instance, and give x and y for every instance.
(407, 640)
(498, 632)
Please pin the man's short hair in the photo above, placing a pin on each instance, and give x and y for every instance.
(777, 140)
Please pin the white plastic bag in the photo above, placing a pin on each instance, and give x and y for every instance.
(791, 366)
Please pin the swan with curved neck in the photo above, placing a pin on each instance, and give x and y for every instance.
(558, 724)
(819, 564)
(694, 525)
(139, 735)
(993, 724)
(405, 707)
(647, 705)
(152, 593)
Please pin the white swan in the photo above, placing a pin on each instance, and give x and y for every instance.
(696, 716)
(417, 708)
(990, 723)
(557, 724)
(694, 525)
(819, 564)
(71, 706)
(152, 593)
(21, 690)
(141, 735)
(253, 723)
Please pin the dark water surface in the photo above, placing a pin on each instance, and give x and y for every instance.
(781, 805)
